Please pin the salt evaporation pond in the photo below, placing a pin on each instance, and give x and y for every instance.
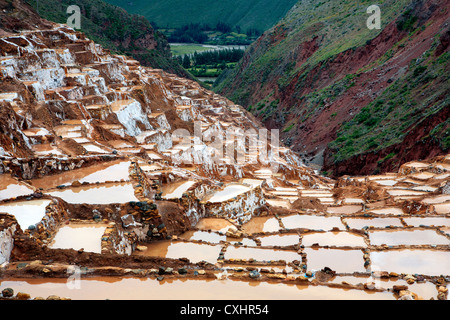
(195, 252)
(279, 240)
(360, 223)
(312, 222)
(339, 260)
(337, 239)
(407, 237)
(10, 188)
(97, 194)
(100, 172)
(176, 190)
(260, 254)
(261, 224)
(79, 236)
(412, 261)
(214, 224)
(228, 193)
(427, 221)
(27, 213)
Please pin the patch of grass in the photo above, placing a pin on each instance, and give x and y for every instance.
(289, 128)
(180, 50)
(389, 156)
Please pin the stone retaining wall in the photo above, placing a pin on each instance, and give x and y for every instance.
(116, 241)
(240, 208)
(44, 231)
(145, 212)
(8, 228)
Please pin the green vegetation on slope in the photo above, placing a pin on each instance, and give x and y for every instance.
(259, 14)
(338, 24)
(115, 29)
(303, 64)
(387, 120)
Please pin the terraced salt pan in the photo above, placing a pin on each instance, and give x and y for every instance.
(442, 208)
(114, 172)
(228, 193)
(120, 144)
(261, 224)
(79, 236)
(97, 194)
(417, 165)
(349, 209)
(285, 191)
(337, 239)
(281, 240)
(422, 175)
(425, 290)
(339, 260)
(260, 254)
(360, 223)
(150, 167)
(312, 222)
(353, 200)
(441, 176)
(215, 238)
(253, 182)
(69, 131)
(387, 176)
(425, 188)
(327, 201)
(100, 172)
(412, 261)
(94, 148)
(35, 132)
(263, 173)
(10, 188)
(210, 237)
(437, 199)
(195, 252)
(176, 190)
(46, 149)
(386, 182)
(393, 211)
(279, 203)
(427, 221)
(407, 237)
(214, 224)
(399, 192)
(153, 155)
(316, 193)
(82, 140)
(27, 213)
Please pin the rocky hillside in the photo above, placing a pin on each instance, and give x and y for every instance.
(354, 100)
(116, 30)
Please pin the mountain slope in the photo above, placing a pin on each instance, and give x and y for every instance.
(259, 14)
(342, 92)
(115, 29)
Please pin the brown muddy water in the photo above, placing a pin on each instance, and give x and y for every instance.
(101, 288)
